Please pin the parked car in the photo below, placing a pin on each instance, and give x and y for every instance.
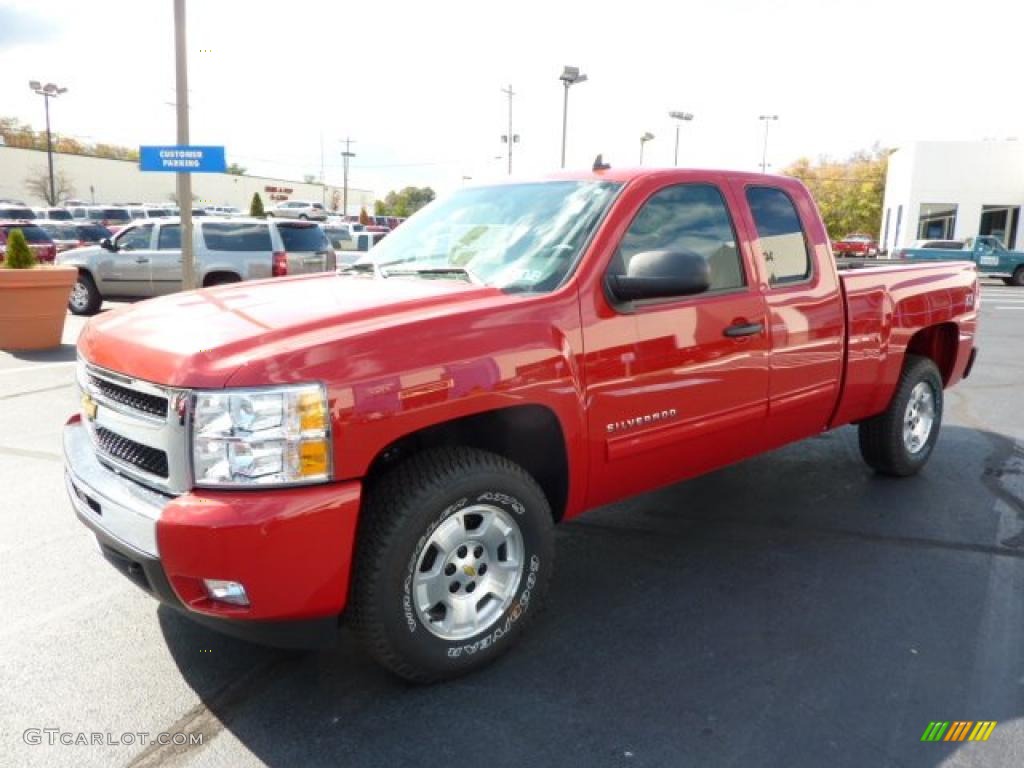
(228, 211)
(78, 211)
(394, 444)
(39, 241)
(364, 241)
(951, 245)
(15, 211)
(144, 258)
(298, 209)
(988, 253)
(151, 212)
(110, 216)
(53, 214)
(857, 245)
(71, 234)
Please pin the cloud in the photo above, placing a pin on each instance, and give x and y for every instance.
(21, 27)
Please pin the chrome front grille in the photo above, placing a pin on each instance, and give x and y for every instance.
(153, 405)
(138, 428)
(151, 460)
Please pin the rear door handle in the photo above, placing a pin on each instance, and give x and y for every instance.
(743, 329)
(142, 261)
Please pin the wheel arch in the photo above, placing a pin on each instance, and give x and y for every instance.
(529, 435)
(214, 274)
(940, 344)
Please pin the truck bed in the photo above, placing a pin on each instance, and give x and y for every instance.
(887, 304)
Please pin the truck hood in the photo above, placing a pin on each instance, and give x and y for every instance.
(199, 338)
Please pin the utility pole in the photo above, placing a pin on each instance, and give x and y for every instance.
(511, 138)
(188, 267)
(323, 186)
(346, 155)
(680, 117)
(570, 76)
(764, 151)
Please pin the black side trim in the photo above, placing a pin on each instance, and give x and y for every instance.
(970, 362)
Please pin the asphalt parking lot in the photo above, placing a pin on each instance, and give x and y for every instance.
(793, 610)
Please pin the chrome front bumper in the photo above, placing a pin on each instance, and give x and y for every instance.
(124, 509)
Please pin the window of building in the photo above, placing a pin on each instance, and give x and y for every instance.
(937, 221)
(687, 217)
(1000, 221)
(781, 235)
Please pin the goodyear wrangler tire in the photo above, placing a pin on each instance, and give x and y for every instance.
(454, 557)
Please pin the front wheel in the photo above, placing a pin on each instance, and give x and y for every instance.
(900, 440)
(1017, 279)
(85, 297)
(453, 562)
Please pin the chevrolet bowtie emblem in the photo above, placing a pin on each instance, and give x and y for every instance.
(89, 408)
(469, 570)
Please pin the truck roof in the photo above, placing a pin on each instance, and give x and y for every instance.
(624, 175)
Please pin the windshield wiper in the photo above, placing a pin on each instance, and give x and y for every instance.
(434, 271)
(366, 266)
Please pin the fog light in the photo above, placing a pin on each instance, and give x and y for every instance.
(226, 591)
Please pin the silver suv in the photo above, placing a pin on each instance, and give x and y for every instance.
(298, 209)
(144, 259)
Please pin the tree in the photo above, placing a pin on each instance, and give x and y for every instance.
(850, 192)
(405, 202)
(19, 255)
(364, 217)
(256, 206)
(236, 170)
(336, 200)
(38, 183)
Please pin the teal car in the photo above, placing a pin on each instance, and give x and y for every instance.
(987, 252)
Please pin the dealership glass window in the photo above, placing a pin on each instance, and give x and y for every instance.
(1000, 221)
(780, 234)
(937, 221)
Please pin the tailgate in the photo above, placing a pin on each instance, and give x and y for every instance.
(306, 245)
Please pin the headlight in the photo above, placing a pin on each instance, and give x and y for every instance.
(272, 436)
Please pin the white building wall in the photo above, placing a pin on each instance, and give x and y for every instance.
(968, 174)
(110, 181)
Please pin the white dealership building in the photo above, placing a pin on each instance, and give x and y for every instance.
(952, 190)
(104, 181)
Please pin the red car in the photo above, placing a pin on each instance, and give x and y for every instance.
(37, 238)
(391, 446)
(856, 245)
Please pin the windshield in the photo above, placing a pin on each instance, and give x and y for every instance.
(517, 237)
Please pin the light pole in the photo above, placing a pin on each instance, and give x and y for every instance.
(570, 76)
(48, 91)
(184, 185)
(682, 117)
(764, 151)
(345, 157)
(647, 136)
(510, 138)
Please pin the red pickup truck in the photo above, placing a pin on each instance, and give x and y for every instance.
(391, 445)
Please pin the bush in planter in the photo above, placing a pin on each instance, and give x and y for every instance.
(33, 298)
(19, 255)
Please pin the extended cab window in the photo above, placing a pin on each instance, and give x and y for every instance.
(136, 238)
(169, 238)
(783, 244)
(688, 217)
(243, 236)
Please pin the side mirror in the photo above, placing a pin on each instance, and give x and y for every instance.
(107, 244)
(660, 275)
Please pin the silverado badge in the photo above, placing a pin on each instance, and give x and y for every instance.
(89, 407)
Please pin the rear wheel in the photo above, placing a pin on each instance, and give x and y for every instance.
(222, 279)
(899, 440)
(452, 564)
(85, 297)
(1017, 279)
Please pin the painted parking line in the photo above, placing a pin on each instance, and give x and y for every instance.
(36, 367)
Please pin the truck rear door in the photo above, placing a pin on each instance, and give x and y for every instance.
(806, 317)
(676, 386)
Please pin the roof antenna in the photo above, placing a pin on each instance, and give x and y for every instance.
(600, 164)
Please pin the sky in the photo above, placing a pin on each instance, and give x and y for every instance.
(418, 86)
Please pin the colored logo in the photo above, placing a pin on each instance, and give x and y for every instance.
(958, 730)
(89, 408)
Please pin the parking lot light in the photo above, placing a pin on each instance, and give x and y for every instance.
(680, 117)
(570, 76)
(48, 91)
(647, 136)
(764, 151)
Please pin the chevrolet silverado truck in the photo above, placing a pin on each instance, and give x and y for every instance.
(390, 446)
(988, 253)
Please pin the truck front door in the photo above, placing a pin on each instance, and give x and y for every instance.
(166, 260)
(126, 270)
(676, 386)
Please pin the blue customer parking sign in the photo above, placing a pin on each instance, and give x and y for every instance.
(182, 159)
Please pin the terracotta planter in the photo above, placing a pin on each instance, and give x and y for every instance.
(33, 305)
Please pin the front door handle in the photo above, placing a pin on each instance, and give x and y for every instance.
(743, 329)
(142, 261)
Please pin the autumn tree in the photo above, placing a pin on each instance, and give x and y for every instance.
(236, 170)
(38, 183)
(364, 217)
(849, 192)
(404, 202)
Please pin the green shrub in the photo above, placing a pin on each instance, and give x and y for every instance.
(256, 206)
(19, 255)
